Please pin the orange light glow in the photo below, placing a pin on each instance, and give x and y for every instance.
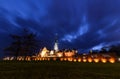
(43, 58)
(74, 60)
(79, 60)
(65, 59)
(54, 59)
(70, 59)
(44, 52)
(59, 54)
(112, 60)
(48, 59)
(27, 58)
(104, 60)
(61, 59)
(20, 58)
(40, 59)
(89, 60)
(96, 60)
(69, 54)
(84, 60)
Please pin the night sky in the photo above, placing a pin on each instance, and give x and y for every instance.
(80, 24)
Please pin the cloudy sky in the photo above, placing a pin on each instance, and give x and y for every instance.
(80, 24)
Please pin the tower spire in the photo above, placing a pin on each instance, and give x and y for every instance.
(56, 43)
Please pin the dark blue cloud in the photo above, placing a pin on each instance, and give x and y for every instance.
(81, 24)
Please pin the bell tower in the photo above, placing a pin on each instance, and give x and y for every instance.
(56, 43)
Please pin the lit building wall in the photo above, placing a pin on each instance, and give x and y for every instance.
(44, 52)
(59, 54)
(69, 54)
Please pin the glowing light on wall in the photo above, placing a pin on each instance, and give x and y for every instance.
(84, 56)
(65, 59)
(112, 60)
(54, 59)
(89, 60)
(70, 59)
(51, 52)
(104, 60)
(75, 60)
(11, 58)
(20, 58)
(43, 59)
(27, 58)
(48, 59)
(96, 60)
(44, 52)
(69, 54)
(79, 59)
(39, 59)
(35, 59)
(119, 59)
(8, 58)
(59, 54)
(84, 60)
(61, 59)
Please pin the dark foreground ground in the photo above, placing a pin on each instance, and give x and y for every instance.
(58, 70)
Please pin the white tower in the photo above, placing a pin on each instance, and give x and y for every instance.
(56, 44)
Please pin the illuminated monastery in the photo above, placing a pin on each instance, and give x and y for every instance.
(56, 52)
(68, 55)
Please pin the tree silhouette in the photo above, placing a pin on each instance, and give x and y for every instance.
(115, 48)
(103, 50)
(24, 44)
(15, 47)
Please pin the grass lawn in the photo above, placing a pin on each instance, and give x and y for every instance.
(58, 70)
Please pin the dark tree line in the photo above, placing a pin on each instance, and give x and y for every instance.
(25, 44)
(111, 49)
(116, 49)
